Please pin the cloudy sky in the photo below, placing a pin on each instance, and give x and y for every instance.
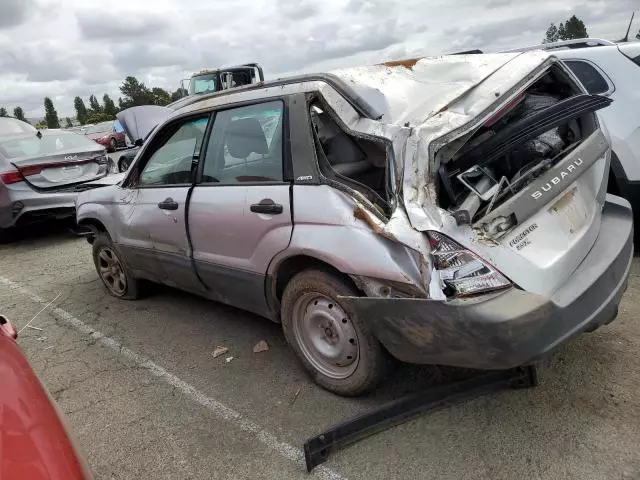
(64, 48)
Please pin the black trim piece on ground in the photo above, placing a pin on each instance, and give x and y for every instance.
(318, 448)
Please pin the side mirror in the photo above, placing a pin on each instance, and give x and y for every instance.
(138, 142)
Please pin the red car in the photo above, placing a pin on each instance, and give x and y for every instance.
(110, 134)
(34, 443)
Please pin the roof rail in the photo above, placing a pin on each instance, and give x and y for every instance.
(575, 43)
(360, 104)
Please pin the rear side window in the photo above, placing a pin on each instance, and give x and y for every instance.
(592, 80)
(246, 145)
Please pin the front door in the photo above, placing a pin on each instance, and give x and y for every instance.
(154, 237)
(240, 212)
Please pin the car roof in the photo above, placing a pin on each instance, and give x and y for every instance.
(401, 93)
(562, 45)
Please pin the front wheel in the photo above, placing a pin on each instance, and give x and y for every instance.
(112, 270)
(334, 345)
(113, 145)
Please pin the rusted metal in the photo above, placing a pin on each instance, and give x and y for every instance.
(406, 63)
(362, 213)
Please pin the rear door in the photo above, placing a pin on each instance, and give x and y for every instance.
(154, 236)
(240, 212)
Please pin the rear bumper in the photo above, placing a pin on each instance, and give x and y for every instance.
(21, 205)
(513, 327)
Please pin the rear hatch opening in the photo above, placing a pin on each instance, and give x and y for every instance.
(502, 173)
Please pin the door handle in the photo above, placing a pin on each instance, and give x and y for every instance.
(168, 204)
(268, 206)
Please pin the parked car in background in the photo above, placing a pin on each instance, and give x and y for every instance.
(42, 172)
(445, 211)
(13, 126)
(138, 123)
(109, 134)
(613, 70)
(36, 443)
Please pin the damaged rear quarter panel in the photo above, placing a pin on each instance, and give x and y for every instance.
(327, 228)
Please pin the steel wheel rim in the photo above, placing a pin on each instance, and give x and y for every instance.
(326, 335)
(111, 271)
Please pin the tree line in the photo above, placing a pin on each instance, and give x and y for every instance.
(569, 30)
(134, 93)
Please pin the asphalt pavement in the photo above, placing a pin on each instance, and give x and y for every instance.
(145, 398)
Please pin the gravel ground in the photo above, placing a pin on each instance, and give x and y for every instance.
(145, 398)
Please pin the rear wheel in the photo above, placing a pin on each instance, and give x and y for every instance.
(334, 345)
(112, 270)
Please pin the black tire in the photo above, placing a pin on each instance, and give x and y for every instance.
(101, 245)
(7, 235)
(372, 359)
(113, 145)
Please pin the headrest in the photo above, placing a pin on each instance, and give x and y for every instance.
(244, 137)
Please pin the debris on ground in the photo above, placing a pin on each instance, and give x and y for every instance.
(34, 328)
(228, 359)
(219, 351)
(295, 396)
(261, 346)
(41, 339)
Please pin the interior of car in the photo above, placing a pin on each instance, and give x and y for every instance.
(358, 162)
(240, 150)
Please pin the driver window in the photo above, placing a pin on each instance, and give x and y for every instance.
(177, 156)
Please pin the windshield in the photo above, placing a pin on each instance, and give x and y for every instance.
(100, 128)
(203, 83)
(49, 144)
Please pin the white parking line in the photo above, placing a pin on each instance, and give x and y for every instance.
(284, 449)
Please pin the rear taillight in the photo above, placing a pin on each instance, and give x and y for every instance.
(463, 272)
(15, 176)
(31, 170)
(12, 176)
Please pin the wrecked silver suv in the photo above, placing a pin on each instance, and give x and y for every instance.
(448, 211)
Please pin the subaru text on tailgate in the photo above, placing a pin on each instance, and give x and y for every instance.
(448, 210)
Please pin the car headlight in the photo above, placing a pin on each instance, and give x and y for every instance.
(463, 272)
